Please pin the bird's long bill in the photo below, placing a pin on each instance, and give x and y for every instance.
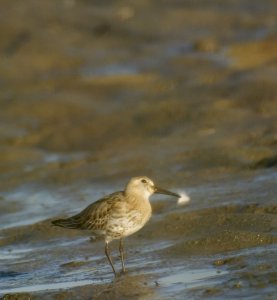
(165, 192)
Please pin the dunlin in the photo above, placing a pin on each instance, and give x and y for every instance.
(117, 215)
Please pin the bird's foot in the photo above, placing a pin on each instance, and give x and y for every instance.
(119, 275)
(123, 272)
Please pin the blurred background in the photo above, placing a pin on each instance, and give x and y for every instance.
(95, 92)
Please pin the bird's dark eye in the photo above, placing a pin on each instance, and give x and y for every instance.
(143, 180)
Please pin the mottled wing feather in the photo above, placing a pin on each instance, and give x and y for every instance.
(93, 217)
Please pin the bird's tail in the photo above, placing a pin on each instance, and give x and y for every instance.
(66, 223)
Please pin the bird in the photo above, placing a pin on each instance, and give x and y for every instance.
(117, 215)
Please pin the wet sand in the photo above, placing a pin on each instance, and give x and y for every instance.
(95, 93)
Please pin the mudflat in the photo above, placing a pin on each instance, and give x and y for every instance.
(94, 93)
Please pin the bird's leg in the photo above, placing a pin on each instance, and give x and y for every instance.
(121, 250)
(107, 252)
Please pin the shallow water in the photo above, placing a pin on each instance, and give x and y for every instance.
(95, 93)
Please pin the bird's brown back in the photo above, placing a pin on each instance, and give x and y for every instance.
(93, 217)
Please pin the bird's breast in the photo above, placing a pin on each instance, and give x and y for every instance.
(129, 219)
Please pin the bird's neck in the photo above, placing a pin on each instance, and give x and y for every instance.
(137, 196)
(140, 203)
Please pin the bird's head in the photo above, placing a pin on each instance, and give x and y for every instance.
(145, 187)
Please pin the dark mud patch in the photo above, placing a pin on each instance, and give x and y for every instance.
(267, 162)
